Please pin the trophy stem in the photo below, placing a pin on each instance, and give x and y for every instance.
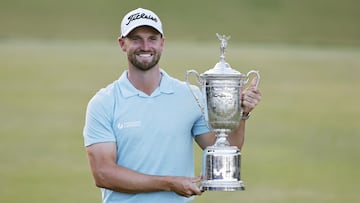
(221, 138)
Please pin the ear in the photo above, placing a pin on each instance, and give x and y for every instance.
(121, 41)
(162, 43)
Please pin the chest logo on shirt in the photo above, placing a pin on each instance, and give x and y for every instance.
(129, 124)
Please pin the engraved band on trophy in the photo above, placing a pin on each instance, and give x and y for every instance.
(221, 89)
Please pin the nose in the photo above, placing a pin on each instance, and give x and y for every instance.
(145, 45)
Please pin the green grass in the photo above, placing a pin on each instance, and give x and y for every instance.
(271, 21)
(301, 143)
(302, 140)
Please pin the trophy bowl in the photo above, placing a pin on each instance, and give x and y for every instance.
(223, 97)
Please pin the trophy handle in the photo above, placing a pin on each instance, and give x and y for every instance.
(199, 81)
(257, 77)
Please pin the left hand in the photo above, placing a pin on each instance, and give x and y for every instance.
(250, 97)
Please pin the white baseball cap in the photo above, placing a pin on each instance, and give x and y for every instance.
(140, 17)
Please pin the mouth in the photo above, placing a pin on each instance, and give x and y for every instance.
(144, 55)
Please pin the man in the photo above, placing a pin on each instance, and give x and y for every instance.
(139, 130)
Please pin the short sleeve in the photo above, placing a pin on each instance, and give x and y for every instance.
(98, 120)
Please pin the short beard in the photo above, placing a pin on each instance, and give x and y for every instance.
(144, 66)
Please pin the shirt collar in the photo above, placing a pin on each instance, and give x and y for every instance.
(128, 90)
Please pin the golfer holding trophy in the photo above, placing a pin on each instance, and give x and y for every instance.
(221, 89)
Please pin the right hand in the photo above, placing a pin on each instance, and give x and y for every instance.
(250, 97)
(186, 186)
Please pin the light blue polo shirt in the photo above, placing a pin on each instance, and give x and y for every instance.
(154, 134)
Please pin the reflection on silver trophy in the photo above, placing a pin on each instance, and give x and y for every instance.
(221, 92)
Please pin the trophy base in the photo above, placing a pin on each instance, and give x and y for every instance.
(219, 185)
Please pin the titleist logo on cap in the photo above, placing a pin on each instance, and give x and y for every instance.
(137, 16)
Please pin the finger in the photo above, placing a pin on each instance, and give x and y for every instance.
(250, 102)
(196, 179)
(254, 82)
(253, 95)
(252, 91)
(252, 98)
(197, 190)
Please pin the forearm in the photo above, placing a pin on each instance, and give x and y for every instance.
(121, 179)
(107, 174)
(237, 136)
(117, 178)
(250, 98)
(124, 180)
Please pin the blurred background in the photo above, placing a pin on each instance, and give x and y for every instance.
(302, 140)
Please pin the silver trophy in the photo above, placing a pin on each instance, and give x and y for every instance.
(221, 92)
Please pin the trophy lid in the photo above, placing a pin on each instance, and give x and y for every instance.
(222, 69)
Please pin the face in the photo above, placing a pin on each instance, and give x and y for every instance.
(143, 46)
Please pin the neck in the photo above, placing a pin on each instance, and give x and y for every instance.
(145, 81)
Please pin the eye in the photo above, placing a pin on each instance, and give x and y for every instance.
(134, 38)
(154, 38)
